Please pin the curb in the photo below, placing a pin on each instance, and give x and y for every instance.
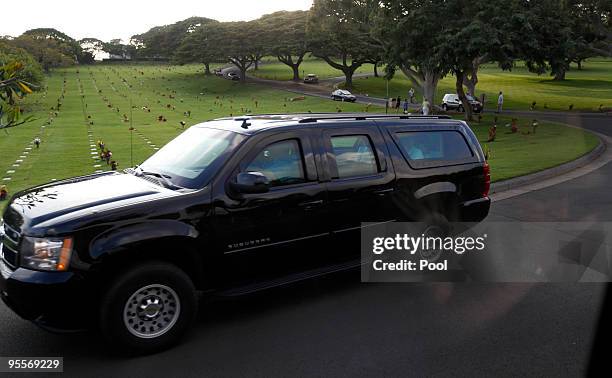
(532, 178)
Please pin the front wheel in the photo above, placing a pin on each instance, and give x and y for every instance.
(460, 109)
(148, 308)
(445, 107)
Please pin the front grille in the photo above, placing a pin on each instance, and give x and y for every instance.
(10, 246)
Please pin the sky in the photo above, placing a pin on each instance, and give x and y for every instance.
(109, 19)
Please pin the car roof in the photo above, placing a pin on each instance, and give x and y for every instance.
(253, 124)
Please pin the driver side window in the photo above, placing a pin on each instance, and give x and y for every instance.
(281, 162)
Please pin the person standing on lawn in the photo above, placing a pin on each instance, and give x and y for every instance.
(426, 107)
(411, 95)
(500, 102)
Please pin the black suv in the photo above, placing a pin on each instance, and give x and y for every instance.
(231, 206)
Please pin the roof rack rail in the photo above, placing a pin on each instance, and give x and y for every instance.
(360, 117)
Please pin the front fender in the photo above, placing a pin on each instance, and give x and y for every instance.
(122, 237)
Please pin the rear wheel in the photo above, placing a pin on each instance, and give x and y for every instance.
(434, 225)
(460, 109)
(148, 308)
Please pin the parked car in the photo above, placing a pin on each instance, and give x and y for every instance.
(452, 102)
(343, 95)
(233, 76)
(229, 207)
(311, 79)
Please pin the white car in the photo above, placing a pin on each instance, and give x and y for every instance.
(343, 95)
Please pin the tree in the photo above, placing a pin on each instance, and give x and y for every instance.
(338, 31)
(66, 44)
(492, 30)
(567, 31)
(118, 50)
(196, 47)
(31, 72)
(235, 42)
(411, 34)
(92, 47)
(49, 53)
(12, 88)
(163, 41)
(286, 37)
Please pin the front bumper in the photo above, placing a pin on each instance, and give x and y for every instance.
(475, 210)
(53, 300)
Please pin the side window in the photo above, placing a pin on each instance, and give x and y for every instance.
(354, 156)
(280, 162)
(434, 145)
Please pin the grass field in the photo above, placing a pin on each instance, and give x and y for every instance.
(96, 101)
(272, 69)
(586, 89)
(518, 154)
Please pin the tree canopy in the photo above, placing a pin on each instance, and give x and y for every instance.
(197, 47)
(164, 41)
(285, 37)
(339, 32)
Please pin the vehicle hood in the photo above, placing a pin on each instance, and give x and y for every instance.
(44, 205)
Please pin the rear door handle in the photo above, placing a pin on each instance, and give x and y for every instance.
(310, 204)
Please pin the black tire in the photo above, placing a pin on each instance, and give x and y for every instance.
(445, 107)
(169, 281)
(460, 109)
(436, 225)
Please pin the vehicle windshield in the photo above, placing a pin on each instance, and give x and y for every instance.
(191, 159)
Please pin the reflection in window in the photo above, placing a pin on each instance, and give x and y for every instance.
(354, 156)
(280, 162)
(434, 145)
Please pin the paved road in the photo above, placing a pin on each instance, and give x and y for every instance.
(339, 327)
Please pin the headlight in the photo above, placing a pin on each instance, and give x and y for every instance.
(52, 254)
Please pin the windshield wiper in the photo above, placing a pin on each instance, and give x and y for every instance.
(164, 179)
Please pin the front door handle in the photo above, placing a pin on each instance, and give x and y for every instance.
(310, 204)
(384, 192)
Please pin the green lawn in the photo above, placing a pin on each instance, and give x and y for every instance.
(586, 89)
(518, 154)
(272, 69)
(103, 92)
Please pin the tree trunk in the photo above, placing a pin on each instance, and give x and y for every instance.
(348, 74)
(296, 72)
(430, 84)
(579, 64)
(256, 64)
(460, 75)
(207, 69)
(375, 70)
(471, 81)
(559, 75)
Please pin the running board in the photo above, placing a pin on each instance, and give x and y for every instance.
(292, 278)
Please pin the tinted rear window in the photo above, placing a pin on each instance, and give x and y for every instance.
(434, 146)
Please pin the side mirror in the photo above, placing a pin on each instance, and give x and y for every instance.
(251, 183)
